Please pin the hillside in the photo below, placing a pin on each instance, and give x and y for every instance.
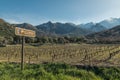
(110, 23)
(6, 30)
(94, 31)
(93, 27)
(62, 29)
(111, 35)
(25, 25)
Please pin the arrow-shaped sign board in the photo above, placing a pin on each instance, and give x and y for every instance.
(24, 32)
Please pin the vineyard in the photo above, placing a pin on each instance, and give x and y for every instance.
(74, 54)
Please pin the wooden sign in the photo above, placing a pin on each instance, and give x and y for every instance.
(24, 32)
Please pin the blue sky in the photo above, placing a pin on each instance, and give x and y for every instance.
(75, 11)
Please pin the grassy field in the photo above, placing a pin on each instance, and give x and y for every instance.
(52, 71)
(74, 54)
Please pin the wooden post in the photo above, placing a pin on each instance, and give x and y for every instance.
(22, 53)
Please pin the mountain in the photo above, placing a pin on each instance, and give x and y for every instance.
(62, 29)
(6, 29)
(58, 28)
(110, 23)
(93, 27)
(26, 26)
(103, 25)
(87, 25)
(97, 28)
(111, 35)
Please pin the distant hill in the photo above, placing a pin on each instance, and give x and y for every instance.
(26, 26)
(54, 29)
(6, 30)
(93, 27)
(110, 23)
(100, 26)
(111, 35)
(62, 29)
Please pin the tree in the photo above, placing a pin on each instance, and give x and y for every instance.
(61, 40)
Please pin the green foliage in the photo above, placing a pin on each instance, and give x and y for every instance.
(52, 71)
(12, 71)
(58, 39)
(110, 73)
(6, 31)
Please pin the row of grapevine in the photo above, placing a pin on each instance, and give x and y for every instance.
(71, 54)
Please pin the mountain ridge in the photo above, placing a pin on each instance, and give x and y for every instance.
(63, 29)
(110, 35)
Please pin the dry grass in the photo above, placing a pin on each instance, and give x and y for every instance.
(75, 54)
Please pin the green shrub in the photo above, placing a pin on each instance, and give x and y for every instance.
(54, 71)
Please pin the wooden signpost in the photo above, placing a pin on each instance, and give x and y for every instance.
(23, 33)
